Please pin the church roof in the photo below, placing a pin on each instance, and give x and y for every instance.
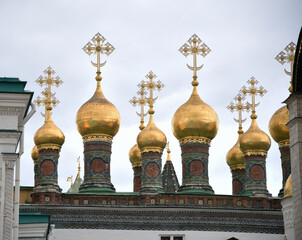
(170, 181)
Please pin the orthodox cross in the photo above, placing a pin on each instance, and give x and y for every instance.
(195, 46)
(141, 101)
(151, 85)
(49, 100)
(239, 107)
(288, 56)
(97, 46)
(253, 91)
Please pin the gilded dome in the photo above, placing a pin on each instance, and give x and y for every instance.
(151, 136)
(195, 118)
(288, 187)
(254, 139)
(49, 133)
(277, 125)
(235, 157)
(135, 156)
(35, 153)
(98, 116)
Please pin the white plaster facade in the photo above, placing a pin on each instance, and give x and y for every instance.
(74, 234)
(13, 107)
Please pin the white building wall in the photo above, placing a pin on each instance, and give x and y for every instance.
(94, 234)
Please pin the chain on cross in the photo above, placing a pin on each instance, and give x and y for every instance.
(289, 57)
(253, 91)
(48, 100)
(98, 46)
(239, 107)
(142, 102)
(195, 47)
(151, 85)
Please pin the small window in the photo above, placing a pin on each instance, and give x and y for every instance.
(178, 238)
(164, 238)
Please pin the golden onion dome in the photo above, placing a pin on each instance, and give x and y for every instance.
(135, 156)
(254, 139)
(35, 153)
(151, 136)
(98, 116)
(277, 125)
(49, 133)
(195, 118)
(235, 157)
(288, 187)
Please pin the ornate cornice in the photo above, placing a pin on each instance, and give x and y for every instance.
(284, 143)
(151, 149)
(255, 152)
(49, 146)
(137, 164)
(97, 137)
(195, 140)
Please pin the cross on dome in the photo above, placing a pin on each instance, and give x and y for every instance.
(195, 46)
(98, 46)
(289, 57)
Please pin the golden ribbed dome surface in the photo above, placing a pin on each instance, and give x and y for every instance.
(98, 116)
(235, 157)
(49, 133)
(277, 125)
(288, 187)
(254, 139)
(34, 153)
(195, 118)
(135, 156)
(151, 136)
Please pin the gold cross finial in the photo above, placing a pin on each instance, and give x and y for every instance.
(195, 47)
(49, 100)
(253, 91)
(168, 151)
(239, 107)
(288, 56)
(97, 46)
(141, 101)
(79, 167)
(151, 85)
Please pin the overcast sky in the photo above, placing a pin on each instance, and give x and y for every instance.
(244, 36)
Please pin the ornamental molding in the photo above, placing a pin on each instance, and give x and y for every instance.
(151, 149)
(49, 146)
(97, 137)
(284, 143)
(237, 166)
(10, 110)
(10, 159)
(137, 164)
(255, 152)
(10, 134)
(195, 140)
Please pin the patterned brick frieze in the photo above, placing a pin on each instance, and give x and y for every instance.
(97, 157)
(151, 173)
(195, 166)
(137, 179)
(255, 169)
(238, 182)
(174, 217)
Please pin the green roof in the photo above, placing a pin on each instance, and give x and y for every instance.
(25, 218)
(11, 85)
